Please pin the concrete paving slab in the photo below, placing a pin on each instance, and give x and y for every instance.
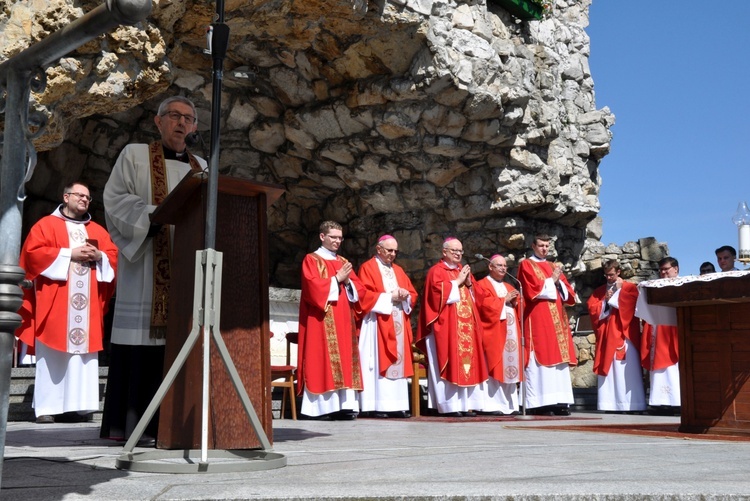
(398, 459)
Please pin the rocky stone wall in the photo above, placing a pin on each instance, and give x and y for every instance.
(419, 118)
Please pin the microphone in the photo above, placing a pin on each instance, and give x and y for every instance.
(192, 139)
(514, 279)
(479, 256)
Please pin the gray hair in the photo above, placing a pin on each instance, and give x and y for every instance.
(176, 99)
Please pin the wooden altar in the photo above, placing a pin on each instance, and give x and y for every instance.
(713, 320)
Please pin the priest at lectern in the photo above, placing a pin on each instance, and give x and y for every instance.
(140, 180)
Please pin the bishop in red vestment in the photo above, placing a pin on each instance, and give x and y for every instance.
(500, 312)
(328, 365)
(617, 361)
(71, 262)
(451, 332)
(547, 332)
(385, 335)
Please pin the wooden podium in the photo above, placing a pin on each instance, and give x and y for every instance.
(241, 235)
(714, 342)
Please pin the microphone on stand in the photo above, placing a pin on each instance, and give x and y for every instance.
(514, 279)
(192, 139)
(479, 256)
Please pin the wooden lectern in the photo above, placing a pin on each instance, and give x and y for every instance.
(241, 235)
(714, 341)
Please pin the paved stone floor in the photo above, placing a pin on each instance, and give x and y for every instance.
(398, 459)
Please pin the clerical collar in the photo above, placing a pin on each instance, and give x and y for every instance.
(170, 154)
(450, 266)
(59, 213)
(325, 253)
(536, 258)
(495, 281)
(382, 262)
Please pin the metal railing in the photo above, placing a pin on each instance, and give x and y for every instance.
(19, 75)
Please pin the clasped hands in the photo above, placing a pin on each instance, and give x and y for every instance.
(464, 276)
(399, 295)
(86, 253)
(611, 290)
(557, 271)
(342, 276)
(512, 297)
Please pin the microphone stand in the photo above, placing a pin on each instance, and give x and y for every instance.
(520, 323)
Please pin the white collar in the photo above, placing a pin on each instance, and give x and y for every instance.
(325, 253)
(381, 263)
(450, 266)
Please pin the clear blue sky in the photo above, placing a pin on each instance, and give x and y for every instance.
(677, 77)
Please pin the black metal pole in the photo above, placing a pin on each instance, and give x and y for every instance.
(219, 43)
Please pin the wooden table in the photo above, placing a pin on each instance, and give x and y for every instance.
(714, 341)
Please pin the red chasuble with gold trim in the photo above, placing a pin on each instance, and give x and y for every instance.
(546, 327)
(457, 327)
(328, 353)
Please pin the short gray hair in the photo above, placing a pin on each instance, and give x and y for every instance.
(176, 99)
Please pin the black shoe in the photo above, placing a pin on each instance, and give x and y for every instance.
(490, 413)
(400, 414)
(541, 411)
(561, 410)
(74, 417)
(379, 415)
(450, 414)
(345, 415)
(324, 417)
(45, 419)
(469, 414)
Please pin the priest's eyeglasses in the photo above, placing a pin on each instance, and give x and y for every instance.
(80, 195)
(458, 252)
(176, 116)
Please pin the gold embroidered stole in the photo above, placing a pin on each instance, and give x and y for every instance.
(559, 322)
(162, 240)
(465, 331)
(332, 342)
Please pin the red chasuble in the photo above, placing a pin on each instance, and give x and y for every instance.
(546, 328)
(372, 281)
(495, 330)
(328, 353)
(457, 327)
(44, 311)
(612, 331)
(665, 350)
